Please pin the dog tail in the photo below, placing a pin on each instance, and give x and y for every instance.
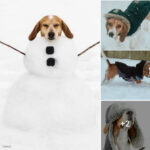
(104, 56)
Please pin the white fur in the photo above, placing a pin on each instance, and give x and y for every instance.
(122, 140)
(113, 30)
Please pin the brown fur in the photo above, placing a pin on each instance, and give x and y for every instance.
(124, 33)
(132, 132)
(50, 24)
(111, 71)
(116, 125)
(105, 128)
(120, 28)
(146, 69)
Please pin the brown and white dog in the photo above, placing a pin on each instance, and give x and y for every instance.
(123, 130)
(51, 28)
(128, 73)
(116, 27)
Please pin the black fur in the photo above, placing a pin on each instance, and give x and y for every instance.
(130, 73)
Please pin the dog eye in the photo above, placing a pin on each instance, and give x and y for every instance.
(119, 26)
(109, 24)
(45, 25)
(56, 25)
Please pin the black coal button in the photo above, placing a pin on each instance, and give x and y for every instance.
(50, 50)
(50, 62)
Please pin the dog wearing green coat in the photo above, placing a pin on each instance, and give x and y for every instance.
(125, 23)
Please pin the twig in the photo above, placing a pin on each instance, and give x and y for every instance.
(88, 48)
(12, 47)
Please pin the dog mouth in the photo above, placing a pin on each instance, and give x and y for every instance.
(113, 35)
(51, 39)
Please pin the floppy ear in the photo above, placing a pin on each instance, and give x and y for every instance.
(66, 30)
(115, 128)
(132, 132)
(105, 128)
(106, 25)
(34, 32)
(123, 33)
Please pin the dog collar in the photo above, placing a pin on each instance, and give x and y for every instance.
(138, 78)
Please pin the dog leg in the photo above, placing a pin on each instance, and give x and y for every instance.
(138, 81)
(107, 80)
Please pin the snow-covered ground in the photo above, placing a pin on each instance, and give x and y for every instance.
(17, 20)
(118, 89)
(138, 41)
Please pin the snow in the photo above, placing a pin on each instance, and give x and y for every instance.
(65, 57)
(138, 41)
(118, 89)
(17, 20)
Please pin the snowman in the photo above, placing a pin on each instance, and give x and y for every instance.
(50, 98)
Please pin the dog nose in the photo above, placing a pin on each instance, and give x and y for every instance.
(129, 113)
(51, 35)
(111, 34)
(51, 62)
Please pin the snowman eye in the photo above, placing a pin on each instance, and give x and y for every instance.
(56, 25)
(45, 25)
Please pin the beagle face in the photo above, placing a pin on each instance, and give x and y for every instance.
(146, 70)
(51, 28)
(116, 28)
(126, 121)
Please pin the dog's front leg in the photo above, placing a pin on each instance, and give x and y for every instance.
(138, 81)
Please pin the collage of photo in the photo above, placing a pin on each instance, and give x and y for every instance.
(74, 74)
(125, 75)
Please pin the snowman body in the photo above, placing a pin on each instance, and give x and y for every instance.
(50, 97)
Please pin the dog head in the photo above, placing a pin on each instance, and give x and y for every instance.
(126, 121)
(116, 28)
(146, 70)
(51, 28)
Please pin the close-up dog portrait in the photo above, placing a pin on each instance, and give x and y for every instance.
(126, 25)
(122, 125)
(50, 27)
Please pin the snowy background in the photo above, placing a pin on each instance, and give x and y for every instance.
(118, 89)
(138, 41)
(141, 109)
(18, 17)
